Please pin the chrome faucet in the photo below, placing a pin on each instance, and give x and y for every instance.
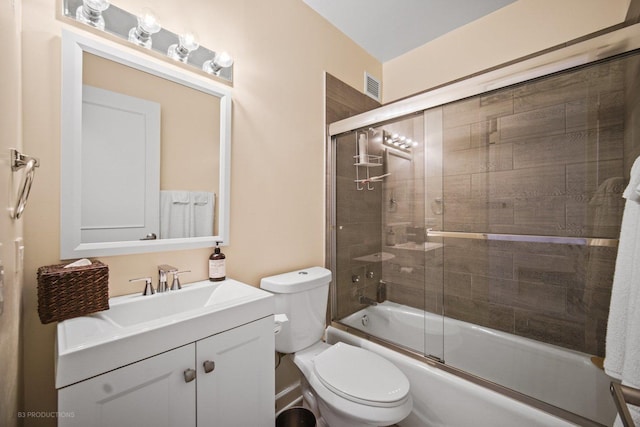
(366, 300)
(163, 271)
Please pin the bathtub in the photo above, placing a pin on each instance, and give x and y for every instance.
(562, 377)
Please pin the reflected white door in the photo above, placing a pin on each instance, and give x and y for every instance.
(120, 166)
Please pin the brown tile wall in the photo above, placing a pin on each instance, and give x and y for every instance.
(358, 212)
(549, 157)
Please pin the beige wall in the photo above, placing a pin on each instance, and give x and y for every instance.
(519, 29)
(282, 49)
(10, 117)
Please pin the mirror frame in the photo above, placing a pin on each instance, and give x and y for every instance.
(73, 47)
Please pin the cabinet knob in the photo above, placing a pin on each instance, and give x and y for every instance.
(209, 365)
(189, 375)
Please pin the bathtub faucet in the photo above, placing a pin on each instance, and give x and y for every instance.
(366, 300)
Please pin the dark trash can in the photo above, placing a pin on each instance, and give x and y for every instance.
(296, 417)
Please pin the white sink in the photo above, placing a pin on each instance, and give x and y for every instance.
(136, 326)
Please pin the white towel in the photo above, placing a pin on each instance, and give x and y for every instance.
(623, 329)
(175, 214)
(203, 205)
(633, 189)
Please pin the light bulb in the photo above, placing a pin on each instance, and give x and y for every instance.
(220, 60)
(90, 12)
(224, 60)
(148, 21)
(187, 43)
(147, 25)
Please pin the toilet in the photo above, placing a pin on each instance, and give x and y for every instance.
(344, 385)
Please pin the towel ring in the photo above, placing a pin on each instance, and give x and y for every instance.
(19, 161)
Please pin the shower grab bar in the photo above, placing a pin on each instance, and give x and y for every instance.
(622, 395)
(582, 241)
(19, 161)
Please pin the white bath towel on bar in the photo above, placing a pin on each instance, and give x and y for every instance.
(622, 359)
(203, 205)
(175, 214)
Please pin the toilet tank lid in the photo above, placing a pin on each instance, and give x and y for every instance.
(297, 281)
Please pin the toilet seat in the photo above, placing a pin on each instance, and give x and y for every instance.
(361, 376)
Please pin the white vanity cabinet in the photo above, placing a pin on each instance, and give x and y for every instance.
(239, 391)
(232, 385)
(151, 392)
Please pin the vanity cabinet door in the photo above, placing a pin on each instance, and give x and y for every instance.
(152, 392)
(236, 384)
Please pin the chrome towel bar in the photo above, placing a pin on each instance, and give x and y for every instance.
(561, 240)
(622, 395)
(19, 161)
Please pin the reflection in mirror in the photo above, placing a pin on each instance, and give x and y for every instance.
(145, 154)
(166, 190)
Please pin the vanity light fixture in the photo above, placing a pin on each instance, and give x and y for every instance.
(90, 12)
(219, 61)
(147, 25)
(187, 43)
(143, 28)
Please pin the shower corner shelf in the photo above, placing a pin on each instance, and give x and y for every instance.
(371, 161)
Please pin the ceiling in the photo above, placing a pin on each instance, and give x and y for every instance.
(388, 28)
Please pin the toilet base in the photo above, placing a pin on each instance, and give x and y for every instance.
(326, 416)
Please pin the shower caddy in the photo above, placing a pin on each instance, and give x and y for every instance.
(365, 161)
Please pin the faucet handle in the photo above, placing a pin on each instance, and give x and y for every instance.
(175, 285)
(148, 287)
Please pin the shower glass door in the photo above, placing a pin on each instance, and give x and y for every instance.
(532, 177)
(388, 278)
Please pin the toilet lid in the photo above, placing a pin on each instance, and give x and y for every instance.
(360, 375)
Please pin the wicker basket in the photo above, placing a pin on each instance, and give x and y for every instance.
(64, 293)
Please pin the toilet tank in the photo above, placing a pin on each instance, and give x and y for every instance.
(302, 296)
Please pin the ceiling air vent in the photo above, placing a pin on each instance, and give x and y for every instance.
(372, 86)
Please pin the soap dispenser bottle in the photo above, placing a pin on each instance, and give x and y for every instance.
(217, 268)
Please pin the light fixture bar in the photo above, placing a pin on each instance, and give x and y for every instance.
(120, 23)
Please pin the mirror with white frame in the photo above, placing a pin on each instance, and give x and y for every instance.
(145, 153)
